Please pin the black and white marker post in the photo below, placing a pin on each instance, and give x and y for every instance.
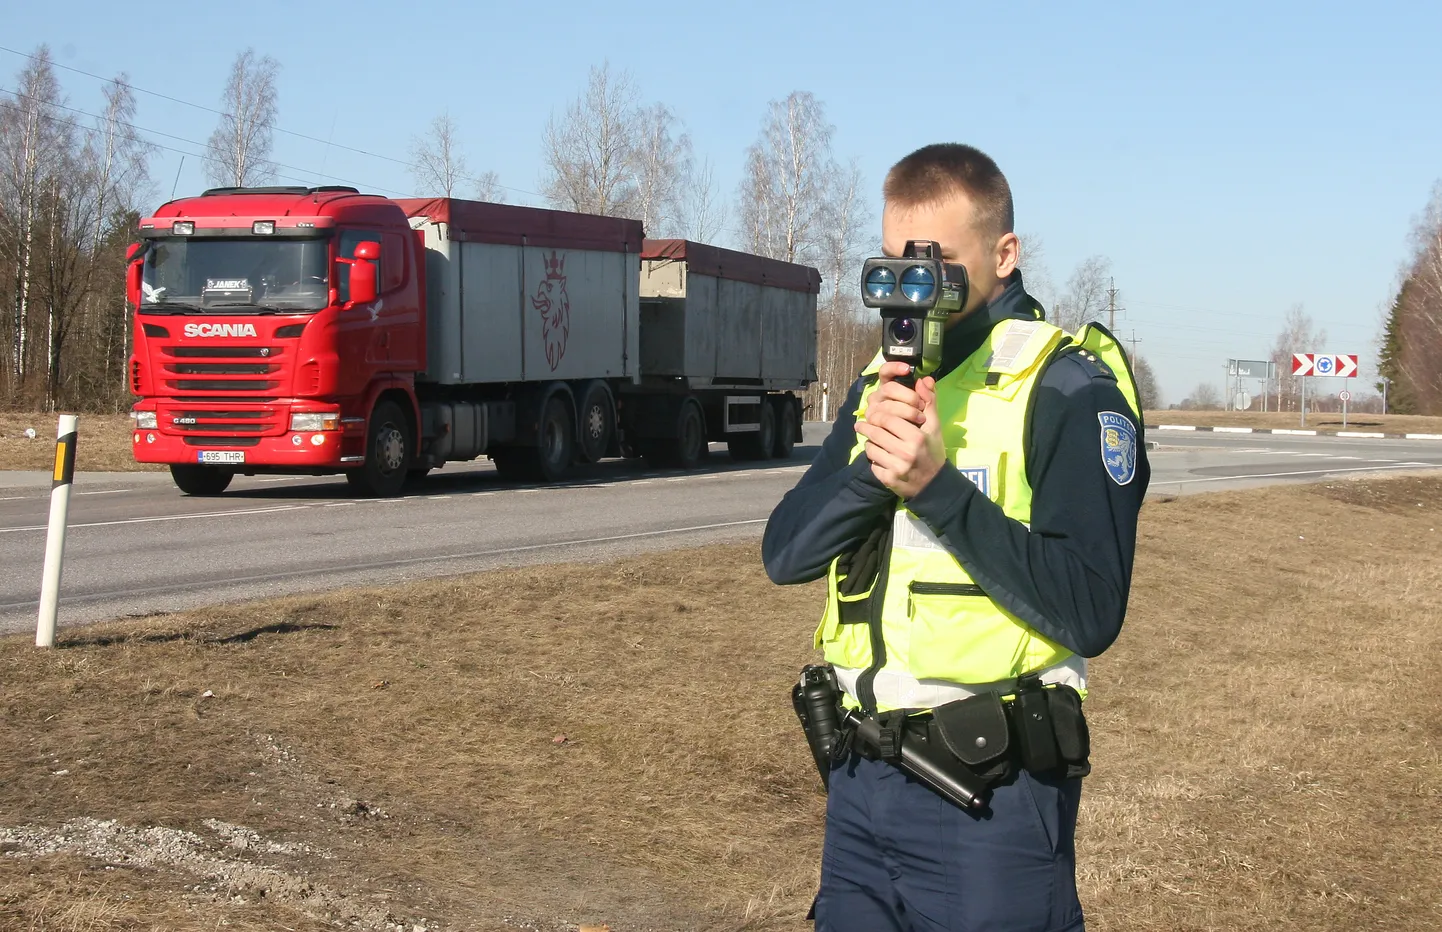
(55, 540)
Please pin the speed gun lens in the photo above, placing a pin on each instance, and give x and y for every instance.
(880, 283)
(918, 284)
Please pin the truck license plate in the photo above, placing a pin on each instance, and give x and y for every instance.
(222, 456)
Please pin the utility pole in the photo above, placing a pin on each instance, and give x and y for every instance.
(1112, 306)
(1134, 341)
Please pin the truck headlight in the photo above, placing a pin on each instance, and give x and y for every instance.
(300, 422)
(145, 420)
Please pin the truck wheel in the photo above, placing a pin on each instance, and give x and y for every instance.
(758, 445)
(688, 448)
(785, 428)
(550, 458)
(201, 480)
(598, 423)
(388, 454)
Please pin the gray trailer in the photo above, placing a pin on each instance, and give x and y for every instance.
(556, 338)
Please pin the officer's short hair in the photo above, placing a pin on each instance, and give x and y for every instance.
(935, 172)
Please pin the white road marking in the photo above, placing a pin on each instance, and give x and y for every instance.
(387, 564)
(102, 492)
(1302, 472)
(155, 518)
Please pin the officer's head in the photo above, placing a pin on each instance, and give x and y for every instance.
(954, 195)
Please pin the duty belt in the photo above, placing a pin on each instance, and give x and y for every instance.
(960, 749)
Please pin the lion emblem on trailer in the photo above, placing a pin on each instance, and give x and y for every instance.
(555, 307)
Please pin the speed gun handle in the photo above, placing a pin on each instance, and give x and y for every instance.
(968, 794)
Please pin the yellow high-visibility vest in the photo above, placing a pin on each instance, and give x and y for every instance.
(936, 622)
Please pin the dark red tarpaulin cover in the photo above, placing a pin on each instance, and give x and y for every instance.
(703, 259)
(511, 225)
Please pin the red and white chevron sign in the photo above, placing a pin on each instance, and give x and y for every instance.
(1324, 364)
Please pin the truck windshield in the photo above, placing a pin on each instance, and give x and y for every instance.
(231, 275)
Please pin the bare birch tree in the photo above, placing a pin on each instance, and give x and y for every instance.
(660, 162)
(1036, 274)
(846, 331)
(1299, 335)
(487, 187)
(1085, 297)
(784, 189)
(240, 145)
(589, 153)
(437, 163)
(703, 213)
(1419, 315)
(34, 139)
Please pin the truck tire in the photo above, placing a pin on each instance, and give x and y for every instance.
(387, 451)
(550, 458)
(597, 420)
(688, 447)
(786, 427)
(759, 444)
(201, 480)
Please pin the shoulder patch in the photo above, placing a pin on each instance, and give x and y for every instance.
(1119, 446)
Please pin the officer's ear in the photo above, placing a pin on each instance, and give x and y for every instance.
(1008, 255)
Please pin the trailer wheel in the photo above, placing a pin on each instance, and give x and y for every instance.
(597, 423)
(688, 447)
(201, 480)
(757, 445)
(387, 452)
(785, 427)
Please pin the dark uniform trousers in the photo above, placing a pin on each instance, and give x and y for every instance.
(899, 858)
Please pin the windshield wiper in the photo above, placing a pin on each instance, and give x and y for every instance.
(259, 308)
(168, 307)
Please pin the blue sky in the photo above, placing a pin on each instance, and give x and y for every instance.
(1231, 160)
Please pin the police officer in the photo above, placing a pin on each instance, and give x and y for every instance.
(990, 512)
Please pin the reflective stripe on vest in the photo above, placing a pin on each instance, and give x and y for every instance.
(936, 623)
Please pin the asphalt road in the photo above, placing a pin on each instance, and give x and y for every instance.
(137, 546)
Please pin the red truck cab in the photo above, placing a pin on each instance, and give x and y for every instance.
(277, 330)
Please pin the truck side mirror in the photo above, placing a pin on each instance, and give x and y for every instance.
(132, 275)
(363, 272)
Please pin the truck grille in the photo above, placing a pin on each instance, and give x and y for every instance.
(223, 369)
(222, 441)
(227, 385)
(220, 425)
(224, 352)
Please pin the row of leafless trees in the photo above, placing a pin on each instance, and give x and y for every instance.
(73, 183)
(68, 191)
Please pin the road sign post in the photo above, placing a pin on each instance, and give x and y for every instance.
(1346, 396)
(1307, 365)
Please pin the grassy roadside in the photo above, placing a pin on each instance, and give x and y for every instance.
(1387, 423)
(103, 446)
(546, 747)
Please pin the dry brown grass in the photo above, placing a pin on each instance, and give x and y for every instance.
(582, 744)
(104, 444)
(1387, 423)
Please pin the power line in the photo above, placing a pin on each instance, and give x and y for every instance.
(156, 132)
(278, 129)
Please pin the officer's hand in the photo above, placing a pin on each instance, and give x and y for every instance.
(905, 453)
(894, 399)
